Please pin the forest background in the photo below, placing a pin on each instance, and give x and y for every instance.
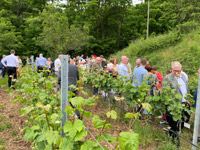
(87, 26)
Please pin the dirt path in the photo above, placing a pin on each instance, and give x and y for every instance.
(11, 125)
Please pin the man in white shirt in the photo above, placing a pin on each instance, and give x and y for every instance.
(57, 64)
(12, 63)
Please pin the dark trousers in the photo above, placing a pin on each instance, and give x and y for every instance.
(3, 72)
(76, 110)
(12, 74)
(175, 124)
(39, 69)
(96, 90)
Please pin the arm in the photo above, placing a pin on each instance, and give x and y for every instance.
(17, 62)
(77, 74)
(46, 62)
(3, 61)
(37, 62)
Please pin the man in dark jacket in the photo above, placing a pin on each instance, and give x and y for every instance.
(178, 82)
(73, 77)
(103, 62)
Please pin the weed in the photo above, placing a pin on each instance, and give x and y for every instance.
(2, 118)
(2, 128)
(2, 106)
(17, 139)
(8, 125)
(1, 141)
(3, 81)
(14, 133)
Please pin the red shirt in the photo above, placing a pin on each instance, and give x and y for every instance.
(160, 78)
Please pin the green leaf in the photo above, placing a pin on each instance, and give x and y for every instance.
(89, 145)
(77, 101)
(78, 125)
(129, 115)
(52, 137)
(178, 96)
(80, 135)
(147, 106)
(107, 126)
(84, 93)
(67, 144)
(73, 129)
(68, 126)
(107, 137)
(26, 110)
(112, 114)
(90, 101)
(40, 137)
(87, 114)
(48, 147)
(97, 122)
(29, 133)
(129, 141)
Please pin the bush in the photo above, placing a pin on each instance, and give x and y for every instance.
(142, 47)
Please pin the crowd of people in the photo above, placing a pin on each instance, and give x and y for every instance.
(176, 78)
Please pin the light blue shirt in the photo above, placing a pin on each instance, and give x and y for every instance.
(139, 75)
(182, 87)
(123, 71)
(41, 61)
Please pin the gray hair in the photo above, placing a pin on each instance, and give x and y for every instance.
(176, 64)
(41, 55)
(122, 58)
(138, 60)
(4, 56)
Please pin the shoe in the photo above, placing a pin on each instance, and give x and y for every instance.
(164, 123)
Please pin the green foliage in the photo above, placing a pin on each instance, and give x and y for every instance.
(112, 114)
(127, 140)
(140, 48)
(9, 37)
(94, 26)
(38, 95)
(57, 35)
(138, 95)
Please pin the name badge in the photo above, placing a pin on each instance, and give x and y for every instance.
(187, 125)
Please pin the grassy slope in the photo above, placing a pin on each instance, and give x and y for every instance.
(187, 51)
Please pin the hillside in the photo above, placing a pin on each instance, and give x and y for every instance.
(163, 49)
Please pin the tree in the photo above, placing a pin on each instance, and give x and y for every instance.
(57, 36)
(9, 38)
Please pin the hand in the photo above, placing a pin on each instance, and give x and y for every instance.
(190, 103)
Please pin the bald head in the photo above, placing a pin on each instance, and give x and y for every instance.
(138, 62)
(124, 60)
(98, 60)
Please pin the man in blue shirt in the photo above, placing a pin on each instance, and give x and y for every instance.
(140, 73)
(41, 63)
(122, 68)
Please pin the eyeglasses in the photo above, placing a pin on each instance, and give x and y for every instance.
(176, 70)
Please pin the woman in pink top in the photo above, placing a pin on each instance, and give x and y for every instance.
(159, 76)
